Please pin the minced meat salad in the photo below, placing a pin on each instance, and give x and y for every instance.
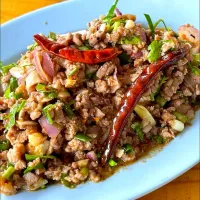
(75, 107)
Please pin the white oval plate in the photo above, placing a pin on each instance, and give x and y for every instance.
(140, 178)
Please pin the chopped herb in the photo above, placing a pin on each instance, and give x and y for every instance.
(112, 163)
(30, 157)
(180, 116)
(124, 58)
(158, 139)
(13, 111)
(127, 148)
(8, 173)
(52, 35)
(137, 127)
(196, 59)
(84, 171)
(194, 69)
(49, 92)
(111, 12)
(160, 20)
(73, 72)
(68, 109)
(67, 183)
(83, 48)
(162, 81)
(47, 114)
(4, 145)
(99, 154)
(82, 137)
(43, 187)
(38, 166)
(155, 51)
(161, 100)
(91, 76)
(130, 40)
(32, 46)
(4, 69)
(9, 93)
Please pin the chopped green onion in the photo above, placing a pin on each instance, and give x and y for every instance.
(155, 51)
(46, 111)
(66, 183)
(73, 72)
(158, 139)
(112, 163)
(137, 127)
(111, 12)
(11, 88)
(4, 69)
(38, 166)
(68, 109)
(82, 137)
(130, 40)
(160, 20)
(180, 116)
(91, 76)
(194, 69)
(161, 100)
(43, 187)
(13, 111)
(49, 92)
(150, 23)
(84, 171)
(196, 59)
(52, 35)
(4, 145)
(30, 157)
(83, 48)
(8, 173)
(127, 148)
(32, 46)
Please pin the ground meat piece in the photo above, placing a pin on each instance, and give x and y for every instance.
(82, 100)
(186, 110)
(53, 173)
(58, 114)
(15, 156)
(93, 176)
(128, 157)
(6, 103)
(166, 116)
(113, 83)
(75, 176)
(167, 133)
(101, 86)
(15, 136)
(106, 69)
(79, 155)
(18, 181)
(7, 188)
(77, 39)
(56, 143)
(77, 145)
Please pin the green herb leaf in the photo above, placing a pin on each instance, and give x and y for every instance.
(137, 127)
(196, 59)
(127, 148)
(194, 69)
(8, 173)
(4, 145)
(124, 58)
(67, 183)
(91, 76)
(150, 23)
(99, 154)
(32, 46)
(38, 166)
(11, 88)
(130, 40)
(112, 163)
(68, 109)
(155, 51)
(160, 20)
(158, 139)
(111, 12)
(30, 157)
(49, 92)
(180, 116)
(13, 111)
(46, 111)
(82, 137)
(83, 48)
(52, 35)
(5, 69)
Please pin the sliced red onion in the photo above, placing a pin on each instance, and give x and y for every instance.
(44, 65)
(117, 12)
(91, 155)
(51, 130)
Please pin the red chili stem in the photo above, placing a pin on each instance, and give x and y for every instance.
(75, 55)
(132, 96)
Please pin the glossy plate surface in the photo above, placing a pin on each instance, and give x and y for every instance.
(142, 177)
